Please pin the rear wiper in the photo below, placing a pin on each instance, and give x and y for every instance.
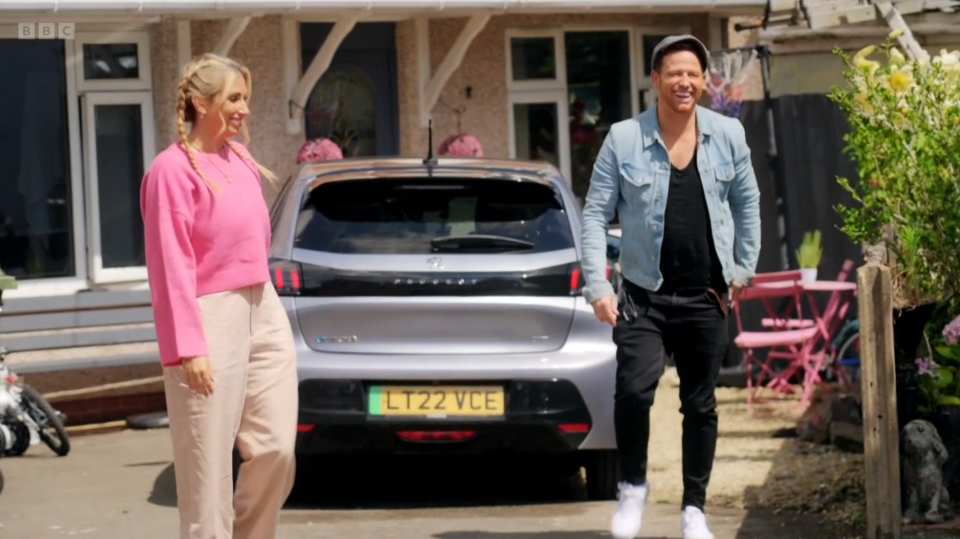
(478, 241)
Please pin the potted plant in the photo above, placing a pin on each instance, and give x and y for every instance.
(809, 255)
(903, 117)
(940, 382)
(7, 282)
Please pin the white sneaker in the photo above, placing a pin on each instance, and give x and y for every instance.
(694, 524)
(626, 521)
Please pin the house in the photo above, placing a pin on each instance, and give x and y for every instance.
(90, 100)
(85, 112)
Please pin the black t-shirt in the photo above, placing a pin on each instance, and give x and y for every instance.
(688, 257)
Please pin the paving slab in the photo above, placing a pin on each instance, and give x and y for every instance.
(120, 485)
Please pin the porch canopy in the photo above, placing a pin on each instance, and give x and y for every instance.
(281, 6)
(345, 14)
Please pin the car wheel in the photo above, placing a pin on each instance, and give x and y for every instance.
(603, 475)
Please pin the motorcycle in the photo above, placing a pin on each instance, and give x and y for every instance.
(26, 417)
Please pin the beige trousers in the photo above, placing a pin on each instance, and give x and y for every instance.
(254, 404)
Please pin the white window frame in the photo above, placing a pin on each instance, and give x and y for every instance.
(97, 272)
(557, 97)
(555, 90)
(559, 82)
(140, 38)
(78, 281)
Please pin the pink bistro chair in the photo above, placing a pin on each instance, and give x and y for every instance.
(793, 345)
(781, 320)
(833, 316)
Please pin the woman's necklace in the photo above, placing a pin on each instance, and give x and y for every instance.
(207, 157)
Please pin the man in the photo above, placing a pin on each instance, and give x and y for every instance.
(681, 178)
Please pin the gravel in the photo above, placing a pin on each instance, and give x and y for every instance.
(759, 463)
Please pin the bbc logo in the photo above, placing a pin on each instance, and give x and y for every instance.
(45, 30)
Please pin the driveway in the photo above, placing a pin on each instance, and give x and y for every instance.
(120, 485)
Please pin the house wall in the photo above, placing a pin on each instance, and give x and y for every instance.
(484, 70)
(817, 72)
(259, 48)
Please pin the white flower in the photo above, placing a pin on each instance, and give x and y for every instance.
(896, 57)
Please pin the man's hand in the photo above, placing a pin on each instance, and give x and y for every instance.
(735, 288)
(199, 374)
(606, 310)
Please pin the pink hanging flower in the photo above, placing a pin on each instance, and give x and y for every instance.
(317, 150)
(462, 145)
(951, 332)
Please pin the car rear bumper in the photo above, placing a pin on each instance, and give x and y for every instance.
(540, 416)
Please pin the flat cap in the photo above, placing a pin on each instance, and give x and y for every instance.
(701, 50)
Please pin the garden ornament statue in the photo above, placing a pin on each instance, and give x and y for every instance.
(318, 150)
(461, 145)
(923, 454)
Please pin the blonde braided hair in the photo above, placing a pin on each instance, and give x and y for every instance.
(210, 76)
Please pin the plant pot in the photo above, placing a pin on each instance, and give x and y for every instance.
(808, 275)
(947, 421)
(908, 326)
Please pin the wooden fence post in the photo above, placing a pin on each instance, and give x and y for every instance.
(881, 440)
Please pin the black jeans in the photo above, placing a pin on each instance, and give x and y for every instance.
(694, 330)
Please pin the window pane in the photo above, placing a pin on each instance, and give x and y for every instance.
(119, 171)
(36, 233)
(343, 108)
(110, 61)
(598, 81)
(533, 58)
(649, 43)
(535, 132)
(427, 216)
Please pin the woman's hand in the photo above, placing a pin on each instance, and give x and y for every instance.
(199, 374)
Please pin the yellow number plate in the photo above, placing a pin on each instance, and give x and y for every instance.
(436, 401)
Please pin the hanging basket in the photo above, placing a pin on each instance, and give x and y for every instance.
(318, 150)
(461, 145)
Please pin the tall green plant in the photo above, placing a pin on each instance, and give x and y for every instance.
(810, 252)
(903, 118)
(7, 282)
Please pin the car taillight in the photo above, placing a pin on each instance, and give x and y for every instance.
(574, 428)
(287, 277)
(576, 279)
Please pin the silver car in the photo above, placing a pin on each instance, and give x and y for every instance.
(436, 308)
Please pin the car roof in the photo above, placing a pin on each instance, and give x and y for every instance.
(442, 167)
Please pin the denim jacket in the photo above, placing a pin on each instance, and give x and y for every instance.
(632, 175)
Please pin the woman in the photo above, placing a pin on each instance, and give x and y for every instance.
(225, 341)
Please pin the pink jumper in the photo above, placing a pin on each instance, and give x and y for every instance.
(198, 241)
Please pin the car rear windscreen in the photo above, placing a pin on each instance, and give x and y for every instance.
(428, 216)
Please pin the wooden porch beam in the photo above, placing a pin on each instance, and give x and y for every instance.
(234, 28)
(184, 47)
(431, 92)
(896, 22)
(318, 66)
